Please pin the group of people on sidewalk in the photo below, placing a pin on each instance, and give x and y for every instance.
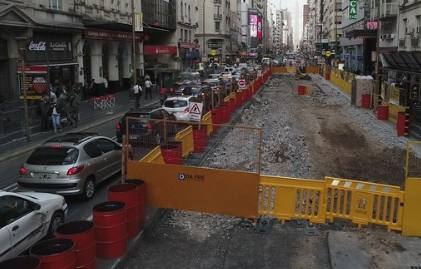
(59, 110)
(137, 90)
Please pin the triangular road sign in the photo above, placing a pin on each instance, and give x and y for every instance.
(195, 109)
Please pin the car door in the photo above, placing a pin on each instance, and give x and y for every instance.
(111, 155)
(24, 223)
(95, 161)
(6, 248)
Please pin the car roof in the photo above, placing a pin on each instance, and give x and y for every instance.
(72, 138)
(178, 98)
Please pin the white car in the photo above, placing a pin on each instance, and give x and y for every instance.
(26, 218)
(178, 106)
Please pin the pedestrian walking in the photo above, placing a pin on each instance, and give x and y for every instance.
(148, 86)
(74, 102)
(55, 118)
(137, 91)
(45, 109)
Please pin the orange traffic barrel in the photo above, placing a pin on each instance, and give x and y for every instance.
(365, 101)
(82, 233)
(141, 190)
(127, 193)
(110, 229)
(22, 262)
(302, 90)
(200, 139)
(172, 153)
(55, 253)
(383, 112)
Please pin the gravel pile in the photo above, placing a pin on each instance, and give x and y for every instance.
(200, 226)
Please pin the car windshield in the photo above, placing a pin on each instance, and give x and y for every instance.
(175, 103)
(53, 155)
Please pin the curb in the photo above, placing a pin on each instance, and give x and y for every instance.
(16, 153)
(79, 129)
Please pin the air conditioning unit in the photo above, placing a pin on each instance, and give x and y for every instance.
(383, 37)
(392, 36)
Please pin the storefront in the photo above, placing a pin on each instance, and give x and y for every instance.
(189, 54)
(51, 55)
(159, 59)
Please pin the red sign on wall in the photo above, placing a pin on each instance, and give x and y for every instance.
(159, 50)
(372, 25)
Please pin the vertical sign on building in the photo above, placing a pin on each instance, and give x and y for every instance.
(259, 29)
(253, 28)
(352, 9)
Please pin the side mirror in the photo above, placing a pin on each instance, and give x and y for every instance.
(36, 206)
(118, 147)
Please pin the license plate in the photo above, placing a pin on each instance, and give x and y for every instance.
(133, 137)
(44, 176)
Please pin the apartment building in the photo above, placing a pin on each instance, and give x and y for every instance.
(331, 25)
(213, 32)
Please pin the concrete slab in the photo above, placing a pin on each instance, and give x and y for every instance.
(373, 249)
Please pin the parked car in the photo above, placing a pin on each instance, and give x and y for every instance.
(26, 218)
(179, 106)
(71, 164)
(146, 126)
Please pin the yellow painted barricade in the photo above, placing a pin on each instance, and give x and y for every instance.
(364, 202)
(207, 120)
(154, 156)
(186, 138)
(291, 198)
(291, 69)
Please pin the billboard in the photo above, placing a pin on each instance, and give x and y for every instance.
(260, 28)
(253, 25)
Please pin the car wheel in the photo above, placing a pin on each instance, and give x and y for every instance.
(56, 220)
(88, 189)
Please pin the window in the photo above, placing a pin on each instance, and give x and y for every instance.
(56, 4)
(53, 155)
(405, 25)
(418, 17)
(185, 35)
(105, 145)
(181, 10)
(189, 14)
(13, 208)
(92, 150)
(175, 103)
(190, 36)
(217, 26)
(181, 34)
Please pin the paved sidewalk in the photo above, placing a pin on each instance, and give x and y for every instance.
(88, 118)
(373, 249)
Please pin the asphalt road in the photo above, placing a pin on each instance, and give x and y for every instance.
(78, 209)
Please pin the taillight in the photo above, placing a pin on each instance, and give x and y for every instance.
(118, 126)
(75, 170)
(23, 171)
(150, 126)
(187, 110)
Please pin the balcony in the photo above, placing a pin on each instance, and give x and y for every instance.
(217, 17)
(389, 10)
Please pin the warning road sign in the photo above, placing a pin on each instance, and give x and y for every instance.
(195, 111)
(242, 84)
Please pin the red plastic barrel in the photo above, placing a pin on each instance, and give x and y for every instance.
(200, 139)
(383, 112)
(301, 90)
(216, 119)
(55, 253)
(172, 153)
(141, 190)
(365, 100)
(110, 229)
(127, 193)
(22, 262)
(401, 124)
(82, 233)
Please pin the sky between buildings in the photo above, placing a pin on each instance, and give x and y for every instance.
(296, 9)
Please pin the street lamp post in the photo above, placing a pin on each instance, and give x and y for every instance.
(22, 41)
(134, 74)
(204, 38)
(377, 67)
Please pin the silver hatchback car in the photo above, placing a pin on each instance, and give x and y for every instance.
(71, 164)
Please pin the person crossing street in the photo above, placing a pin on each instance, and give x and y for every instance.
(148, 86)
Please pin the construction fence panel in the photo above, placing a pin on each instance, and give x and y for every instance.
(290, 198)
(364, 202)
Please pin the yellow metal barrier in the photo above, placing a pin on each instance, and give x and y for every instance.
(291, 69)
(394, 110)
(291, 198)
(186, 138)
(207, 120)
(154, 156)
(344, 85)
(364, 202)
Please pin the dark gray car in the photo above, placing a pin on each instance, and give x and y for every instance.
(71, 164)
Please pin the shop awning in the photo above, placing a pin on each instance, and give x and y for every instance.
(403, 60)
(159, 50)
